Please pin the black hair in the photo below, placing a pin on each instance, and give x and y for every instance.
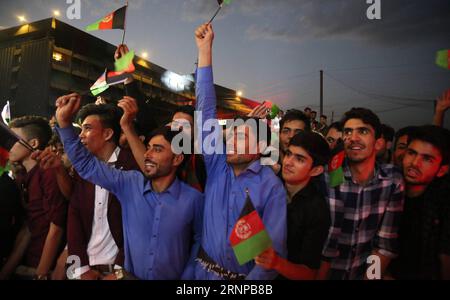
(314, 144)
(365, 115)
(387, 132)
(109, 117)
(335, 125)
(402, 132)
(307, 109)
(169, 135)
(186, 109)
(34, 127)
(294, 114)
(437, 136)
(324, 116)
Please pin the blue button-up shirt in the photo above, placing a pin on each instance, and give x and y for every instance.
(158, 227)
(225, 196)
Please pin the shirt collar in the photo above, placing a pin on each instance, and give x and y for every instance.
(173, 190)
(255, 166)
(114, 156)
(379, 173)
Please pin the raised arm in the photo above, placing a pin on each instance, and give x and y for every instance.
(442, 105)
(207, 126)
(87, 166)
(130, 110)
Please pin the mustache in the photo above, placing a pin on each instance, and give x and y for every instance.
(414, 169)
(356, 144)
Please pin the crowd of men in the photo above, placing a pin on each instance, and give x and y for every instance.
(111, 199)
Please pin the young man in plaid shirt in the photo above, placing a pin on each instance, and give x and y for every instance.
(366, 208)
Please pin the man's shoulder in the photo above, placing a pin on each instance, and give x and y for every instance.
(390, 172)
(186, 191)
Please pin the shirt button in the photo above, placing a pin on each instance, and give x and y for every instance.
(154, 236)
(151, 253)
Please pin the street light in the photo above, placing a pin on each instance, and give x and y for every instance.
(22, 19)
(56, 13)
(144, 55)
(239, 93)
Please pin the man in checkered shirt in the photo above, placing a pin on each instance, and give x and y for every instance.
(366, 208)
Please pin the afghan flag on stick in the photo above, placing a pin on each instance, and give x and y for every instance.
(443, 59)
(115, 20)
(221, 3)
(249, 237)
(335, 169)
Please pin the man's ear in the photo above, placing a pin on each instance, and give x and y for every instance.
(34, 143)
(316, 171)
(178, 160)
(108, 133)
(442, 171)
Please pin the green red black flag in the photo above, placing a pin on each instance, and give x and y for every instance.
(115, 20)
(249, 237)
(335, 169)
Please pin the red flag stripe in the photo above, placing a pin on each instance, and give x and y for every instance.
(246, 227)
(336, 161)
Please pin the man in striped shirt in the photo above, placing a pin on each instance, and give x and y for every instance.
(366, 208)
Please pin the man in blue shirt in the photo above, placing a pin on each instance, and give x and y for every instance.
(159, 212)
(228, 177)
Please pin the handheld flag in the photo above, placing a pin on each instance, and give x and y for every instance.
(115, 20)
(100, 85)
(335, 169)
(108, 78)
(249, 237)
(221, 3)
(443, 59)
(125, 63)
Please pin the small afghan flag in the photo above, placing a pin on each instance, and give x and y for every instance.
(443, 59)
(335, 169)
(115, 20)
(4, 154)
(249, 237)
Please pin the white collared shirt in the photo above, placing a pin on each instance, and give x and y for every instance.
(101, 249)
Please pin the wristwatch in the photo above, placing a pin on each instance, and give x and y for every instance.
(119, 274)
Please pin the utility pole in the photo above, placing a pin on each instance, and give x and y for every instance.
(321, 93)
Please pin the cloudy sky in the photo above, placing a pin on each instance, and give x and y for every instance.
(274, 49)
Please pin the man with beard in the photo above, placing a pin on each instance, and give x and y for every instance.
(425, 226)
(366, 208)
(228, 177)
(159, 212)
